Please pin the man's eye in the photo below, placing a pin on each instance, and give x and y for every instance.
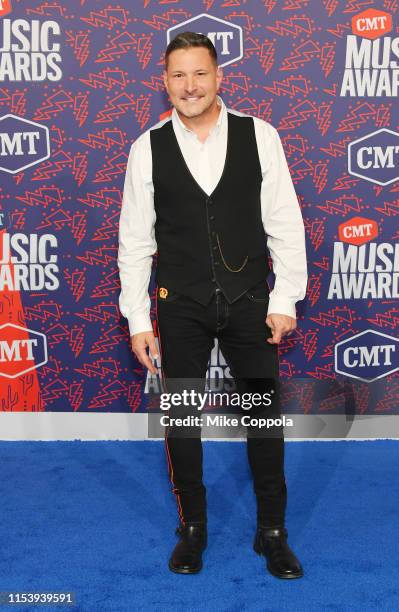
(178, 75)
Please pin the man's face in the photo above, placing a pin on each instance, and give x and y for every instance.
(192, 80)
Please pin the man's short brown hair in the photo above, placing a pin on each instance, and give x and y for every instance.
(185, 40)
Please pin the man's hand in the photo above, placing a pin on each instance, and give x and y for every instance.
(280, 325)
(139, 347)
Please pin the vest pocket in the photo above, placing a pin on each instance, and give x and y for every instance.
(259, 293)
(255, 251)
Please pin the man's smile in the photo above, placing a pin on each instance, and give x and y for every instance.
(192, 98)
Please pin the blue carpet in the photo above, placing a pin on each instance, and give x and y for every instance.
(98, 519)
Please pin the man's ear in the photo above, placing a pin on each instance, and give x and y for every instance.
(165, 79)
(219, 76)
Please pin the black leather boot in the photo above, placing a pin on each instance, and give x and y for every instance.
(187, 555)
(281, 561)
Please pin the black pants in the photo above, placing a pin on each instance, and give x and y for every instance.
(186, 332)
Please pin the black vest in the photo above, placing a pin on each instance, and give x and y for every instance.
(202, 240)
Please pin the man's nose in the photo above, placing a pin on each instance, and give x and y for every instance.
(191, 84)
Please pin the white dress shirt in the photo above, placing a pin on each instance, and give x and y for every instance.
(281, 214)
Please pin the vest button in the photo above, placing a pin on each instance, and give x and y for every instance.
(212, 218)
(214, 248)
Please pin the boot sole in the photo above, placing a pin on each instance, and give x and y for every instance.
(184, 571)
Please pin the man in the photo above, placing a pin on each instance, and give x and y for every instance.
(203, 188)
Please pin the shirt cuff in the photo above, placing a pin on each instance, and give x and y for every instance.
(139, 323)
(281, 305)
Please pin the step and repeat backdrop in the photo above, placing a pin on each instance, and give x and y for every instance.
(80, 80)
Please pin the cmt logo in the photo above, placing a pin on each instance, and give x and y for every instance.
(367, 356)
(375, 157)
(23, 143)
(5, 223)
(5, 7)
(371, 24)
(358, 230)
(21, 350)
(227, 37)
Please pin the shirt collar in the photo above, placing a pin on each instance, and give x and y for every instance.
(177, 122)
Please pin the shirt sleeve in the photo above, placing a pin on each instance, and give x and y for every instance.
(137, 237)
(283, 224)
